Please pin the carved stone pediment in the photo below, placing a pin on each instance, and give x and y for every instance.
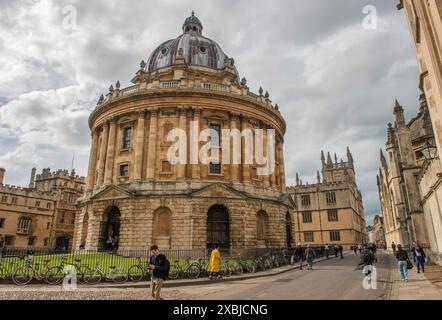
(111, 193)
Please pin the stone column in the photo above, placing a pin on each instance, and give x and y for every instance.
(103, 147)
(152, 147)
(92, 160)
(181, 168)
(196, 174)
(245, 167)
(110, 154)
(280, 144)
(266, 178)
(139, 144)
(234, 168)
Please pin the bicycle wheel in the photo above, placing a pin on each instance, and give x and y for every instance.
(54, 276)
(119, 276)
(82, 273)
(93, 278)
(251, 267)
(193, 272)
(238, 270)
(136, 273)
(174, 271)
(22, 275)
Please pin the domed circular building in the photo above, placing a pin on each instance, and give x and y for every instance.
(136, 196)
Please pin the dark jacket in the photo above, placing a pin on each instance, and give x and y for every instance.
(419, 249)
(160, 267)
(401, 255)
(299, 252)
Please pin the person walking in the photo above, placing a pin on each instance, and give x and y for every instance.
(336, 248)
(419, 257)
(360, 248)
(355, 248)
(299, 253)
(309, 256)
(159, 265)
(327, 251)
(215, 258)
(2, 245)
(341, 250)
(402, 258)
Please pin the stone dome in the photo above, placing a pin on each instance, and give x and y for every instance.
(196, 50)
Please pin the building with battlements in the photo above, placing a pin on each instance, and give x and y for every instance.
(41, 215)
(331, 210)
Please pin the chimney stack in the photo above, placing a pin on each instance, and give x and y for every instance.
(2, 175)
(32, 181)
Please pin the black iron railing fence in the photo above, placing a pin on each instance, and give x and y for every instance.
(46, 261)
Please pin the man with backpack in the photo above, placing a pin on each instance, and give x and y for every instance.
(160, 267)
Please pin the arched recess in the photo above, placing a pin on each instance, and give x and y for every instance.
(218, 227)
(110, 229)
(288, 230)
(162, 223)
(262, 227)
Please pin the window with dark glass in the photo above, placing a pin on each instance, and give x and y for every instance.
(332, 215)
(31, 241)
(215, 129)
(124, 170)
(309, 237)
(331, 197)
(335, 236)
(9, 240)
(305, 200)
(307, 217)
(127, 135)
(2, 222)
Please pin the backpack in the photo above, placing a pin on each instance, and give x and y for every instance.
(167, 270)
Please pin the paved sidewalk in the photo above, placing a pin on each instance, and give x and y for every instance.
(418, 286)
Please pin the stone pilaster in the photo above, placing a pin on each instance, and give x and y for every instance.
(152, 147)
(103, 147)
(266, 177)
(110, 154)
(181, 169)
(234, 168)
(139, 144)
(280, 154)
(196, 171)
(245, 167)
(92, 160)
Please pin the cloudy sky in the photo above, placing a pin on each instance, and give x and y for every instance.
(335, 82)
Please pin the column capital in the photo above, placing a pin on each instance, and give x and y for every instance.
(112, 119)
(182, 109)
(196, 110)
(153, 111)
(141, 113)
(234, 115)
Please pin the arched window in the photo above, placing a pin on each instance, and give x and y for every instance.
(162, 222)
(261, 225)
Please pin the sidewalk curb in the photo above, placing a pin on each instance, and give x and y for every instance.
(185, 283)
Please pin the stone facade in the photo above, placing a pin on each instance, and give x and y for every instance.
(330, 211)
(378, 229)
(41, 215)
(397, 180)
(425, 23)
(135, 197)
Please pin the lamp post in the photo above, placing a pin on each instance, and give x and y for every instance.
(429, 151)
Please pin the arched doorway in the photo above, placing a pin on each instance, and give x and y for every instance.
(218, 227)
(288, 228)
(62, 243)
(110, 230)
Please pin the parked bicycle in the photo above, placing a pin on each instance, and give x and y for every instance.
(190, 269)
(139, 270)
(55, 275)
(25, 273)
(116, 274)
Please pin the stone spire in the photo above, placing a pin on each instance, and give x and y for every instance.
(322, 157)
(297, 179)
(329, 160)
(390, 134)
(349, 156)
(336, 158)
(383, 160)
(318, 176)
(399, 114)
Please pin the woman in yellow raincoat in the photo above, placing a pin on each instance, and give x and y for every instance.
(215, 258)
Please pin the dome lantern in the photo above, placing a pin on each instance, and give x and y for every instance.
(192, 24)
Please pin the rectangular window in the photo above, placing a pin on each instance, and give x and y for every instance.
(215, 168)
(127, 136)
(215, 139)
(73, 218)
(2, 222)
(9, 240)
(24, 225)
(332, 215)
(309, 237)
(14, 200)
(48, 205)
(335, 236)
(124, 170)
(305, 200)
(62, 218)
(331, 197)
(4, 198)
(37, 203)
(166, 167)
(307, 217)
(31, 241)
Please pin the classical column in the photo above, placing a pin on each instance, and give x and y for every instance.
(103, 147)
(267, 176)
(152, 147)
(139, 144)
(234, 168)
(245, 167)
(181, 168)
(196, 174)
(273, 175)
(110, 154)
(92, 160)
(280, 144)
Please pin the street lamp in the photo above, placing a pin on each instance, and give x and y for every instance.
(429, 151)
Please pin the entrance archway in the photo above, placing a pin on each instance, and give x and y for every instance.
(218, 227)
(110, 230)
(62, 243)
